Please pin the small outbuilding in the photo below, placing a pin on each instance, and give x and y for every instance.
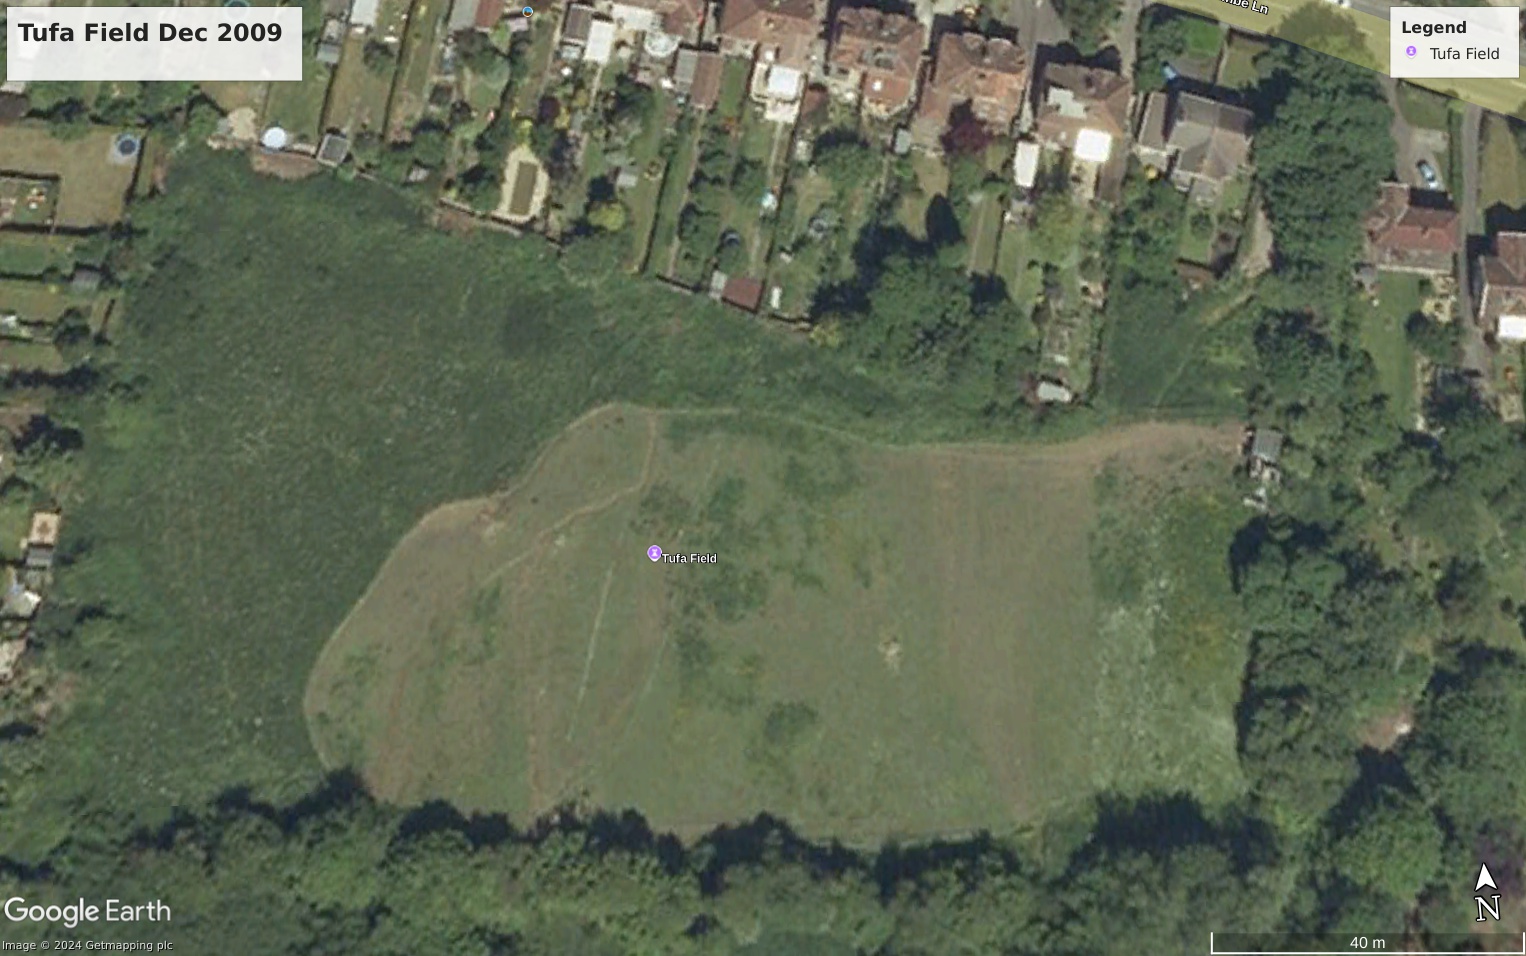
(1266, 446)
(45, 528)
(85, 281)
(1053, 393)
(333, 149)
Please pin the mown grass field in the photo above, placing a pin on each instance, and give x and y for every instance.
(1384, 338)
(1502, 167)
(42, 303)
(94, 192)
(893, 641)
(35, 253)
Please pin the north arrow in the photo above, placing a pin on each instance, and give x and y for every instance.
(1484, 879)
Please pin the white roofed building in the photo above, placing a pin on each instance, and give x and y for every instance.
(1025, 164)
(601, 42)
(364, 14)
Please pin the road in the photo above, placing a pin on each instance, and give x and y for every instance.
(1475, 352)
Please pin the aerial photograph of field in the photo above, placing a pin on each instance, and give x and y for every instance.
(891, 641)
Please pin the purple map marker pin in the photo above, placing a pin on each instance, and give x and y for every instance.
(654, 552)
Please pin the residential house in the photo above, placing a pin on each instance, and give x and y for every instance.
(1412, 231)
(874, 58)
(672, 20)
(1500, 288)
(1200, 142)
(784, 39)
(1082, 110)
(988, 75)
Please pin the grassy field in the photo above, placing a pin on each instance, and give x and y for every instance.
(242, 502)
(1503, 168)
(1237, 67)
(30, 357)
(1384, 339)
(39, 303)
(1423, 107)
(94, 192)
(1012, 258)
(985, 231)
(33, 253)
(871, 655)
(1203, 37)
(1182, 362)
(733, 92)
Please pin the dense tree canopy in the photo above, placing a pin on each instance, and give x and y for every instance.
(1319, 160)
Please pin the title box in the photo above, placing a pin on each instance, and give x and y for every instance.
(1454, 41)
(192, 44)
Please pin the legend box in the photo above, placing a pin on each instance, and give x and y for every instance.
(1455, 41)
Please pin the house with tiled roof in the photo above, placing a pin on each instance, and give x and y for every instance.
(1412, 231)
(678, 19)
(1201, 143)
(785, 32)
(1499, 288)
(875, 58)
(784, 40)
(1082, 110)
(986, 74)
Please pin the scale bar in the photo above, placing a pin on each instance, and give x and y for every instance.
(1346, 951)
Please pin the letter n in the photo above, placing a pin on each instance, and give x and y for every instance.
(1483, 905)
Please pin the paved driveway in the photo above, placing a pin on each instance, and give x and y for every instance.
(1414, 143)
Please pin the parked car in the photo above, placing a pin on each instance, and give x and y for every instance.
(1169, 72)
(1428, 175)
